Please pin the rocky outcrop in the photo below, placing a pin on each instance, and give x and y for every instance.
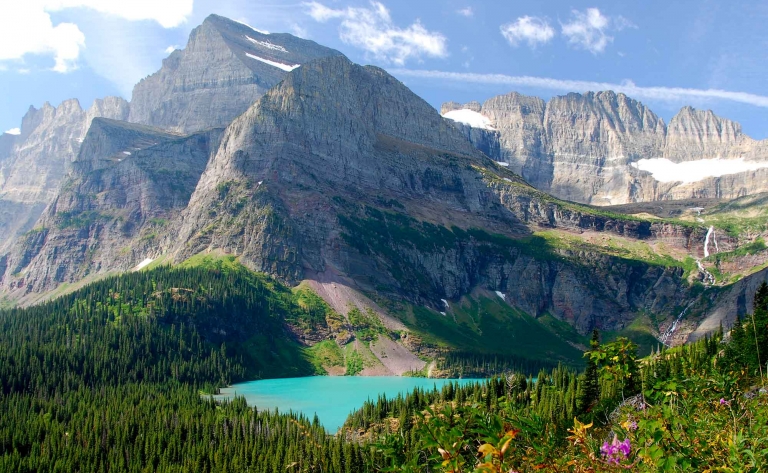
(128, 183)
(225, 67)
(36, 161)
(586, 147)
(340, 166)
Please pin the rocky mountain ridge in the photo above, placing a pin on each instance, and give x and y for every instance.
(341, 177)
(597, 148)
(224, 68)
(35, 162)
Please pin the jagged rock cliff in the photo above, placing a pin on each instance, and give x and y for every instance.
(595, 148)
(340, 168)
(33, 164)
(340, 171)
(128, 182)
(225, 67)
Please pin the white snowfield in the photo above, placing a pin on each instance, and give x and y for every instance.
(664, 170)
(278, 65)
(143, 264)
(267, 44)
(471, 118)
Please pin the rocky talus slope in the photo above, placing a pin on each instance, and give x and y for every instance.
(588, 147)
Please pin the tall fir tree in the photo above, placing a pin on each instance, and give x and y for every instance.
(590, 392)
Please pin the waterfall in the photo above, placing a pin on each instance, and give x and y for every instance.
(664, 338)
(706, 241)
(709, 279)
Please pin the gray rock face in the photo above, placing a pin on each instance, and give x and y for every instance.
(128, 182)
(204, 86)
(335, 168)
(33, 164)
(584, 147)
(217, 76)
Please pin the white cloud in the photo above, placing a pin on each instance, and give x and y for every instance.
(531, 29)
(13, 131)
(468, 12)
(298, 30)
(620, 23)
(372, 30)
(171, 49)
(26, 26)
(666, 94)
(588, 30)
(168, 13)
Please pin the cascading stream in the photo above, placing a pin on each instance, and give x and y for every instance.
(664, 338)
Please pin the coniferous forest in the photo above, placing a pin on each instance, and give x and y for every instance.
(117, 377)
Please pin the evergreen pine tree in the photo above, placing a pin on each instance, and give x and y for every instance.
(590, 384)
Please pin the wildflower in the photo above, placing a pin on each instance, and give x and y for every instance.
(616, 451)
(723, 402)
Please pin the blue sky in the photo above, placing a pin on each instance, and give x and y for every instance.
(709, 54)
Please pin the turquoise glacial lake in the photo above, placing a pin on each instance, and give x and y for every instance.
(332, 398)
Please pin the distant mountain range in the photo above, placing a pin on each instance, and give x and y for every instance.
(606, 149)
(301, 164)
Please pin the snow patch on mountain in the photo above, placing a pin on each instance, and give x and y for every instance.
(664, 170)
(279, 65)
(143, 264)
(471, 118)
(267, 44)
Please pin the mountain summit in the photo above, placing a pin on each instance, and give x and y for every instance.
(225, 67)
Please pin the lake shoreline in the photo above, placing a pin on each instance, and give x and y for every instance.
(331, 398)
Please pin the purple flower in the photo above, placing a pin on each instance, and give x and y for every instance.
(625, 447)
(723, 402)
(633, 426)
(616, 451)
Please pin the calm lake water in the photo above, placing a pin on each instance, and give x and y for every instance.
(332, 398)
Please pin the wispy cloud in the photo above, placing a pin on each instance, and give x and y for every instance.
(26, 27)
(298, 30)
(589, 29)
(13, 131)
(667, 94)
(373, 30)
(530, 29)
(468, 12)
(171, 49)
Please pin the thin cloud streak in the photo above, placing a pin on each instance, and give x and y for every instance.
(669, 94)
